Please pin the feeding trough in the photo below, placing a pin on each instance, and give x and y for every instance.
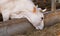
(15, 26)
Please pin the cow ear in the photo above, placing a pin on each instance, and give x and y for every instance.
(34, 9)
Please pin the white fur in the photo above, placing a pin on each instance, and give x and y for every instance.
(22, 9)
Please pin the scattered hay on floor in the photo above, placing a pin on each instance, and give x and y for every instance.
(48, 31)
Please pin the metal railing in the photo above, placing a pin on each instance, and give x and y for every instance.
(53, 5)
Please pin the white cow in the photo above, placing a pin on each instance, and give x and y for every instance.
(22, 9)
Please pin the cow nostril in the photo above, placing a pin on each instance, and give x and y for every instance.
(42, 18)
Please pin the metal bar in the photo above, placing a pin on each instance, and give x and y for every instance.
(53, 5)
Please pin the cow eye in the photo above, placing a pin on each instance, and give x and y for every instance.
(42, 18)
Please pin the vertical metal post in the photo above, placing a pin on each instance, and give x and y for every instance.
(59, 1)
(53, 5)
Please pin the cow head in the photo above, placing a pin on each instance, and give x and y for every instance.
(36, 18)
(40, 24)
